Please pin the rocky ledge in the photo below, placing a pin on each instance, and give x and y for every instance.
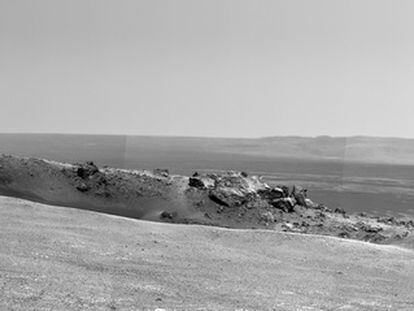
(226, 199)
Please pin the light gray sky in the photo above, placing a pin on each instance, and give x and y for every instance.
(208, 68)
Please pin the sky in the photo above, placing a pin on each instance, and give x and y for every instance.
(219, 68)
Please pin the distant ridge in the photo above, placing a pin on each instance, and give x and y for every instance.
(363, 149)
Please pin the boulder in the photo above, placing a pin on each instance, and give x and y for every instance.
(196, 182)
(233, 189)
(201, 182)
(227, 196)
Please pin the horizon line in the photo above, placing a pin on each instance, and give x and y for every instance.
(207, 137)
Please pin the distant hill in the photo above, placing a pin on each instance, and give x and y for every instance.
(350, 149)
(111, 149)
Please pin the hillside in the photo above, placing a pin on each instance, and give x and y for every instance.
(61, 258)
(225, 199)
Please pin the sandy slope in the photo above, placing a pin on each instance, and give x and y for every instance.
(54, 258)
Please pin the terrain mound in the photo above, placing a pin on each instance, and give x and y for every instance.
(229, 199)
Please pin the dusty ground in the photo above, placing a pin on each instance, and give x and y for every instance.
(54, 258)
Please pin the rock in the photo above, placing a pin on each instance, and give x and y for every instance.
(166, 215)
(400, 236)
(409, 224)
(285, 204)
(371, 229)
(299, 194)
(339, 210)
(86, 170)
(103, 193)
(285, 190)
(344, 235)
(196, 183)
(201, 182)
(272, 194)
(287, 227)
(374, 237)
(392, 221)
(228, 196)
(162, 172)
(309, 203)
(267, 217)
(82, 187)
(258, 203)
(101, 180)
(232, 189)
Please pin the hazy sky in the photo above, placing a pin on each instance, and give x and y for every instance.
(208, 68)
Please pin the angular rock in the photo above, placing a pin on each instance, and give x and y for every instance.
(201, 182)
(228, 196)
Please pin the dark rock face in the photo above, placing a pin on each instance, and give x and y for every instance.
(196, 183)
(202, 181)
(285, 204)
(86, 170)
(272, 194)
(166, 215)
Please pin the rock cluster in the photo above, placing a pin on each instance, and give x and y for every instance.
(238, 195)
(88, 178)
(86, 170)
(234, 189)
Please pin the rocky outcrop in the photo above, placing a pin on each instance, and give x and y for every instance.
(241, 196)
(227, 199)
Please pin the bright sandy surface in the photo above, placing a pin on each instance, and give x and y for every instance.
(54, 258)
